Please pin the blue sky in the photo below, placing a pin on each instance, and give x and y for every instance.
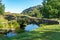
(17, 6)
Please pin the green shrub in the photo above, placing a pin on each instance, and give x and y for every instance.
(41, 25)
(19, 31)
(1, 25)
(14, 25)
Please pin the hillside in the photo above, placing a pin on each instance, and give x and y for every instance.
(33, 11)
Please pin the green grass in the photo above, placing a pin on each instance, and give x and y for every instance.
(47, 32)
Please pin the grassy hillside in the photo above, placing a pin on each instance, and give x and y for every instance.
(47, 32)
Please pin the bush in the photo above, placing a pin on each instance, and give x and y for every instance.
(19, 31)
(41, 25)
(14, 25)
(3, 24)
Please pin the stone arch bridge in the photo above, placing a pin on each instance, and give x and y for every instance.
(25, 19)
(33, 20)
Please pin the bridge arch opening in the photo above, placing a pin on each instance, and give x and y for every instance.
(30, 27)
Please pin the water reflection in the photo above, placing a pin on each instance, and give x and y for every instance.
(10, 34)
(30, 27)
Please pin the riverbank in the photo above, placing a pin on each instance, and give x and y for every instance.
(47, 32)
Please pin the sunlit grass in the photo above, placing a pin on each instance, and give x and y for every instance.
(47, 32)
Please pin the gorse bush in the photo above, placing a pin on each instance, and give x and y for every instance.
(1, 25)
(14, 25)
(3, 22)
(9, 25)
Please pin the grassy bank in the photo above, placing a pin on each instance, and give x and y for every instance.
(47, 32)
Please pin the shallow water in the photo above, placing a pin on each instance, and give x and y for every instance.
(31, 27)
(10, 34)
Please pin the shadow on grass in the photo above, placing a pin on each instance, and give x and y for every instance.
(36, 35)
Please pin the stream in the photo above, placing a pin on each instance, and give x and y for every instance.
(29, 27)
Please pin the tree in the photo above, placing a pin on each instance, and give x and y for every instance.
(2, 8)
(51, 8)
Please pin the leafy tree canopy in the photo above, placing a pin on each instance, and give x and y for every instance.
(51, 8)
(2, 8)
